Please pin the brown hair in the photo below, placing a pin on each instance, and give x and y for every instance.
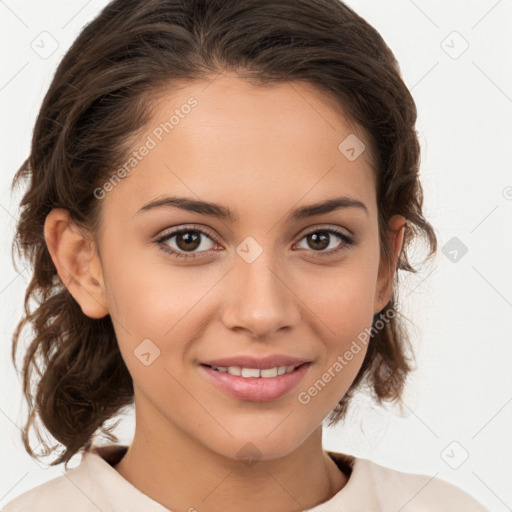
(101, 96)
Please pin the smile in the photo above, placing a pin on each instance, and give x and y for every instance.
(255, 384)
(252, 373)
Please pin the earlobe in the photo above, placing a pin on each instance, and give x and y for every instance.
(77, 262)
(396, 232)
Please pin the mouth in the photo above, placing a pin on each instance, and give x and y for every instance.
(255, 373)
(255, 384)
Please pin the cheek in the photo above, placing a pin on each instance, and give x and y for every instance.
(343, 311)
(146, 295)
(343, 297)
(156, 309)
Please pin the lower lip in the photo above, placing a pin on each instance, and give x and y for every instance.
(256, 389)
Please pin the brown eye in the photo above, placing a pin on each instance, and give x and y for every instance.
(186, 240)
(320, 240)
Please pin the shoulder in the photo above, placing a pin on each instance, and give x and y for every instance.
(74, 490)
(412, 491)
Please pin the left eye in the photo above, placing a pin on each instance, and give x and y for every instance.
(317, 239)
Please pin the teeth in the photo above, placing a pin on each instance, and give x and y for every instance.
(235, 370)
(269, 372)
(255, 372)
(250, 372)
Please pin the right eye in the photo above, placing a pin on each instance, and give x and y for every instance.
(187, 241)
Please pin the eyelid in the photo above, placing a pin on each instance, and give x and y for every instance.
(185, 227)
(326, 227)
(201, 228)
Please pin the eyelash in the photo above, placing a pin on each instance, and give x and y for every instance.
(348, 242)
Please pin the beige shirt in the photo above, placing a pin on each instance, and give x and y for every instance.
(94, 485)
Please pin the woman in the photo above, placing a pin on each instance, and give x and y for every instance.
(221, 196)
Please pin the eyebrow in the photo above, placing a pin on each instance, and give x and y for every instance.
(222, 212)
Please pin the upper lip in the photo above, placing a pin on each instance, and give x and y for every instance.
(246, 361)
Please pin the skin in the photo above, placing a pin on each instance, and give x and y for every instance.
(261, 152)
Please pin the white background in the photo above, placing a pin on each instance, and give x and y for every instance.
(459, 401)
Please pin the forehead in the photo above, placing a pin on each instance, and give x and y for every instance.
(232, 142)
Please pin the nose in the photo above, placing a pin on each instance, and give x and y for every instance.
(259, 299)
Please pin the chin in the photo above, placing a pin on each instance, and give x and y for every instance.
(259, 447)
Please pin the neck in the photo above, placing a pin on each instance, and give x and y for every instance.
(183, 475)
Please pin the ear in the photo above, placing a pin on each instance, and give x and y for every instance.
(77, 262)
(396, 231)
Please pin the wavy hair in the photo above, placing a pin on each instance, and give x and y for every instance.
(102, 95)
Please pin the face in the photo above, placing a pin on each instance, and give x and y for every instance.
(261, 288)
